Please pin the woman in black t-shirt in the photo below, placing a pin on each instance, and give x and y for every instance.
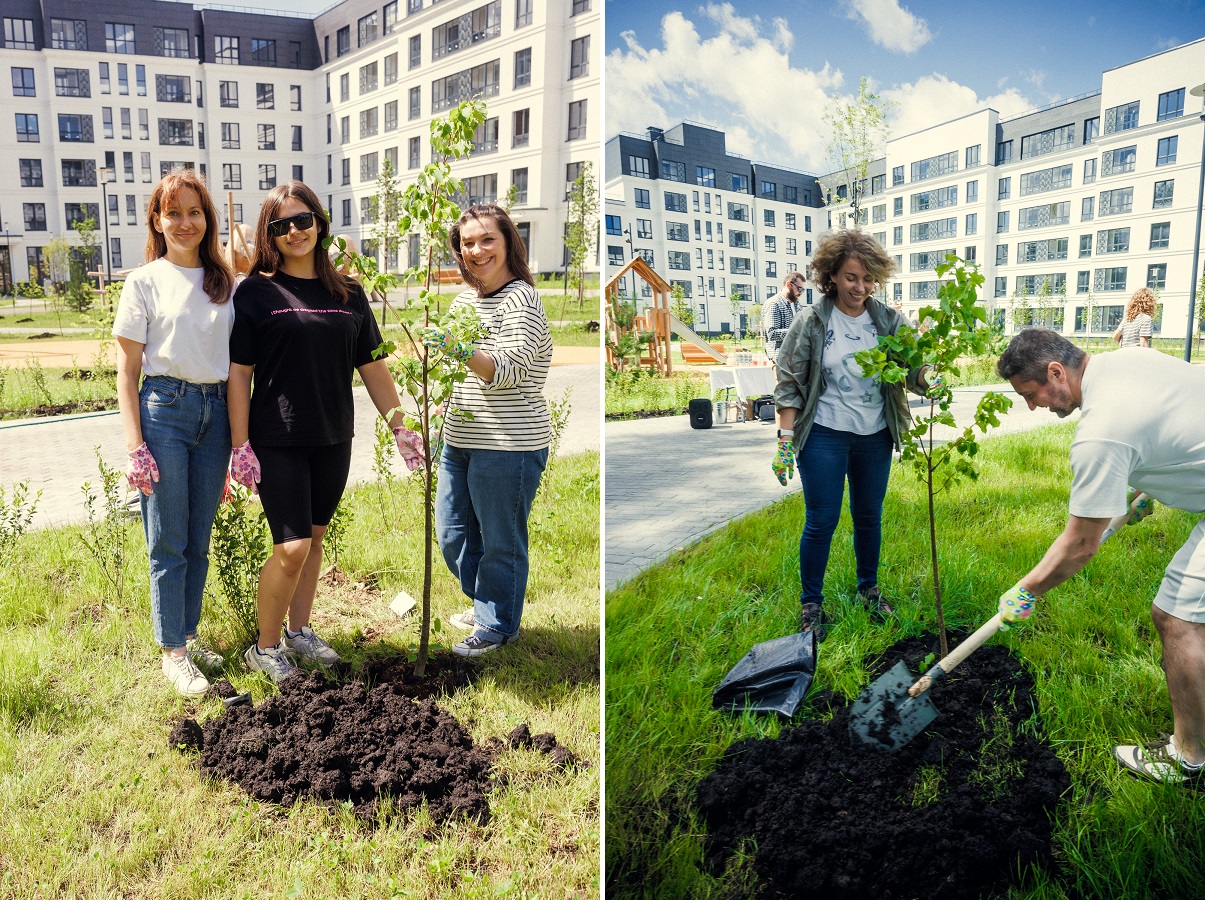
(300, 329)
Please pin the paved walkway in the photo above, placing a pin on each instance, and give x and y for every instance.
(56, 455)
(668, 485)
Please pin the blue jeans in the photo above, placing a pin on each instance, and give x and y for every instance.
(829, 457)
(187, 429)
(481, 508)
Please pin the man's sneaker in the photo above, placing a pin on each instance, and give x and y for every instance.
(309, 647)
(273, 662)
(465, 621)
(1160, 761)
(475, 645)
(203, 656)
(873, 601)
(183, 673)
(811, 618)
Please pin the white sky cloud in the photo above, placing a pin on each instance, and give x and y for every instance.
(890, 25)
(741, 80)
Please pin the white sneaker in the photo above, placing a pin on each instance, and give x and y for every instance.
(309, 647)
(184, 675)
(465, 621)
(273, 662)
(203, 656)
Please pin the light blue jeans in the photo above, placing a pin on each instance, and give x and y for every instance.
(187, 429)
(481, 507)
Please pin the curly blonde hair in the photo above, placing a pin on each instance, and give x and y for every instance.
(836, 247)
(1143, 301)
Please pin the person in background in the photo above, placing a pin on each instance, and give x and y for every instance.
(491, 464)
(835, 423)
(300, 331)
(1140, 426)
(1137, 324)
(173, 327)
(780, 311)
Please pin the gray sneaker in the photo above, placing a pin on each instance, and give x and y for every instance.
(308, 647)
(465, 621)
(204, 656)
(184, 675)
(273, 662)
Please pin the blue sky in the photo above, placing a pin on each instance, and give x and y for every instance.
(765, 72)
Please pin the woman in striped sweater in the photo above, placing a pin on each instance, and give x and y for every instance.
(491, 464)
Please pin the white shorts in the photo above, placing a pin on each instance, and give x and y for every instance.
(1182, 593)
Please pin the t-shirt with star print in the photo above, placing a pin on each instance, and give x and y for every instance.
(850, 402)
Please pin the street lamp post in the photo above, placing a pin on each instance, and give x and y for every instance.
(105, 173)
(8, 259)
(1198, 91)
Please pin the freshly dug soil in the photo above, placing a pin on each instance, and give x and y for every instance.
(953, 814)
(348, 742)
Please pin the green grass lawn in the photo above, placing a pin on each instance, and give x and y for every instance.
(675, 631)
(94, 803)
(47, 321)
(22, 388)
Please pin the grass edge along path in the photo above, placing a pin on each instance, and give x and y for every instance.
(675, 630)
(93, 802)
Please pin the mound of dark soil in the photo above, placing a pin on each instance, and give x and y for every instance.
(953, 814)
(352, 742)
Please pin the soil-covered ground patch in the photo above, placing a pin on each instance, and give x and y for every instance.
(59, 409)
(360, 741)
(956, 813)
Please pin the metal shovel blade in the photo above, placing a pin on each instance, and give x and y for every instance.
(884, 716)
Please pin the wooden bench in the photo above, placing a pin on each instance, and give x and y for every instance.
(447, 276)
(692, 354)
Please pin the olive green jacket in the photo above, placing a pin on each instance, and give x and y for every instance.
(800, 383)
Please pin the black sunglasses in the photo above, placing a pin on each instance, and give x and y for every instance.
(280, 227)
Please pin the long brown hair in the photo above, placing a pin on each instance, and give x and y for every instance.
(218, 282)
(268, 257)
(516, 250)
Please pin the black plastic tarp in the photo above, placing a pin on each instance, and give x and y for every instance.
(772, 677)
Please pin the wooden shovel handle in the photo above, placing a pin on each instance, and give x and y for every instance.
(956, 657)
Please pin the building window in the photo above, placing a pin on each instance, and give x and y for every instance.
(75, 128)
(119, 38)
(368, 78)
(972, 223)
(644, 229)
(18, 34)
(482, 24)
(1002, 254)
(267, 176)
(897, 236)
(1091, 130)
(345, 171)
(479, 81)
(35, 216)
(369, 167)
(173, 89)
(1112, 279)
(1163, 193)
(343, 41)
(521, 126)
(580, 6)
(79, 172)
(1053, 140)
(1085, 245)
(31, 173)
(972, 156)
(738, 183)
(265, 96)
(1089, 170)
(579, 58)
(1044, 215)
(344, 87)
(642, 199)
(1161, 233)
(415, 104)
(295, 97)
(391, 116)
(23, 82)
(1171, 105)
(577, 120)
(614, 225)
(347, 212)
(228, 94)
(230, 136)
(485, 138)
(1004, 153)
(416, 51)
(389, 18)
(266, 136)
(523, 13)
(1083, 282)
(71, 83)
(1121, 118)
(106, 120)
(675, 202)
(1087, 209)
(225, 50)
(897, 176)
(368, 123)
(1117, 202)
(1001, 286)
(1002, 221)
(1156, 275)
(263, 52)
(1166, 153)
(768, 217)
(615, 255)
(1005, 188)
(972, 192)
(1119, 161)
(390, 69)
(522, 68)
(175, 132)
(935, 166)
(366, 29)
(71, 34)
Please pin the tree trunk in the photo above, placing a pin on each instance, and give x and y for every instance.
(941, 618)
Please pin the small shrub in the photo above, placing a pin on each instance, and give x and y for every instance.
(15, 516)
(240, 546)
(105, 535)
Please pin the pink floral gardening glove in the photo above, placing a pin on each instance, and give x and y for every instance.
(141, 470)
(410, 445)
(244, 466)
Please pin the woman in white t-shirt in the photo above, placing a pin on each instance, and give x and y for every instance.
(1137, 324)
(835, 423)
(173, 328)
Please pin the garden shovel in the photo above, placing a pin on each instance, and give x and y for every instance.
(894, 709)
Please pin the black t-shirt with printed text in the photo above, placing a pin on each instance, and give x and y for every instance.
(304, 345)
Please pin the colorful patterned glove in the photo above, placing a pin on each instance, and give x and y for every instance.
(1015, 604)
(784, 461)
(244, 466)
(141, 469)
(1140, 510)
(937, 384)
(443, 340)
(410, 445)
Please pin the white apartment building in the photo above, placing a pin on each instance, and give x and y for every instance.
(725, 228)
(1067, 209)
(134, 89)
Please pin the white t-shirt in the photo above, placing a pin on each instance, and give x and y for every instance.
(186, 336)
(850, 402)
(1141, 425)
